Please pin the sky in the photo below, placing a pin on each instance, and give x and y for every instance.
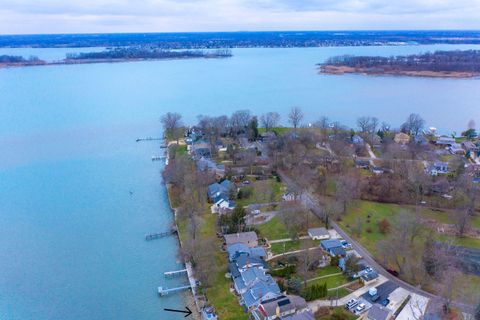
(97, 16)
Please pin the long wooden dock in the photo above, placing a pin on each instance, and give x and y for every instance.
(159, 235)
(164, 291)
(157, 158)
(148, 139)
(172, 274)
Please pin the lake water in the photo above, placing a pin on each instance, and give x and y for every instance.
(78, 194)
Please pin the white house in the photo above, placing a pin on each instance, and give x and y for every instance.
(318, 233)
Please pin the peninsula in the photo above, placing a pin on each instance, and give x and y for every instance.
(439, 64)
(120, 54)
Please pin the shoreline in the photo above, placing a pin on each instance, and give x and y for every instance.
(188, 297)
(96, 61)
(341, 70)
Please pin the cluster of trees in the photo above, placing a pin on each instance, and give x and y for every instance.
(147, 53)
(459, 61)
(188, 190)
(315, 291)
(8, 59)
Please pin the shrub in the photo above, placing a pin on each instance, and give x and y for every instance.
(384, 226)
(315, 292)
(369, 230)
(285, 272)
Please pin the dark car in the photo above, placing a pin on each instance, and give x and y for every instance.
(385, 302)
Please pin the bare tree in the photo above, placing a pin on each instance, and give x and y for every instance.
(364, 124)
(270, 120)
(323, 124)
(172, 123)
(239, 121)
(414, 124)
(295, 117)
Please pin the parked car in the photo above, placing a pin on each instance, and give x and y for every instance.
(360, 308)
(353, 305)
(350, 303)
(256, 212)
(345, 244)
(385, 302)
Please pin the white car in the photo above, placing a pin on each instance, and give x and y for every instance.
(360, 308)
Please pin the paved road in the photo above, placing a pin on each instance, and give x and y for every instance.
(316, 208)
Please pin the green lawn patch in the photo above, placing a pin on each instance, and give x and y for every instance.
(273, 229)
(332, 282)
(225, 303)
(326, 271)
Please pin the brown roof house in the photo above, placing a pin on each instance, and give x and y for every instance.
(401, 138)
(248, 238)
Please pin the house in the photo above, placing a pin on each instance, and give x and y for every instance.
(268, 136)
(288, 197)
(259, 292)
(333, 247)
(222, 205)
(456, 148)
(370, 275)
(357, 140)
(216, 189)
(279, 307)
(318, 233)
(362, 164)
(377, 170)
(248, 238)
(420, 140)
(200, 149)
(445, 141)
(438, 168)
(245, 261)
(401, 138)
(378, 312)
(249, 278)
(205, 164)
(236, 249)
(469, 146)
(305, 315)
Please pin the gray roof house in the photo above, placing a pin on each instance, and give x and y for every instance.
(280, 306)
(259, 292)
(249, 278)
(305, 315)
(438, 168)
(244, 261)
(216, 189)
(333, 247)
(318, 233)
(378, 312)
(469, 146)
(249, 238)
(237, 249)
(445, 141)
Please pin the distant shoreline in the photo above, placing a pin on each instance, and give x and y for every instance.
(340, 70)
(92, 61)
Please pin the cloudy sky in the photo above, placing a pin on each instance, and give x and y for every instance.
(73, 16)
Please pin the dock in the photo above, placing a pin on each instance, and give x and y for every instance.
(157, 158)
(154, 236)
(164, 291)
(148, 139)
(172, 274)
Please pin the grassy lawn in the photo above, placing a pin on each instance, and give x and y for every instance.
(465, 242)
(263, 191)
(378, 211)
(326, 271)
(332, 282)
(273, 229)
(277, 248)
(476, 222)
(180, 150)
(225, 303)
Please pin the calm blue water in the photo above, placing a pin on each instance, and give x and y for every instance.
(71, 235)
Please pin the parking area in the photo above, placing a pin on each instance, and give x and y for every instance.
(358, 306)
(383, 291)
